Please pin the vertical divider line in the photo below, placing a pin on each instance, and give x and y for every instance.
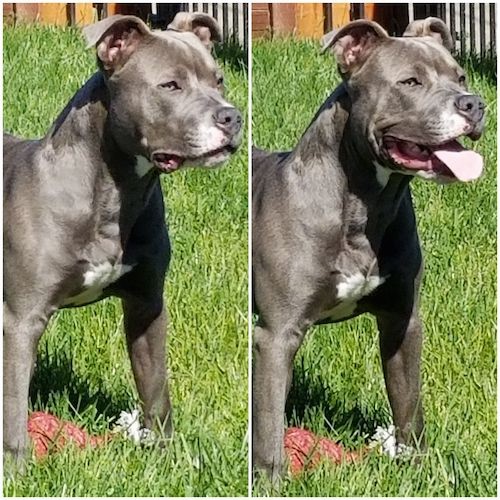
(249, 128)
(1, 234)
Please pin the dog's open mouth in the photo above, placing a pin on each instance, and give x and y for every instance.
(449, 160)
(167, 162)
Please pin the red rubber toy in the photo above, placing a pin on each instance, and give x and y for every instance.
(305, 450)
(49, 434)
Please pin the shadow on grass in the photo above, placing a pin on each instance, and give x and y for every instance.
(232, 54)
(309, 395)
(54, 377)
(486, 67)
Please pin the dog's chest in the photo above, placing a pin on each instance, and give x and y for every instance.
(104, 259)
(350, 289)
(95, 279)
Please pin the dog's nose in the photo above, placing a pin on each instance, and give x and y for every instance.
(470, 106)
(228, 119)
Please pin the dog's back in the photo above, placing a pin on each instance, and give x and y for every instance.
(17, 162)
(264, 164)
(261, 159)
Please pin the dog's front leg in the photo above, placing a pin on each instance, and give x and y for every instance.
(145, 329)
(22, 332)
(401, 347)
(272, 376)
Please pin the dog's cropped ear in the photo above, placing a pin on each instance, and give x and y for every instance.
(434, 27)
(115, 39)
(326, 40)
(353, 43)
(205, 27)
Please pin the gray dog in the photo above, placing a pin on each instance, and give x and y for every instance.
(334, 232)
(83, 209)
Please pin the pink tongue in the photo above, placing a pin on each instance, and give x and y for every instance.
(466, 165)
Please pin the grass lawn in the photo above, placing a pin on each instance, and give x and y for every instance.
(83, 373)
(338, 388)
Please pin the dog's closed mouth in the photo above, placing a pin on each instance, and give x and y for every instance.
(450, 160)
(168, 162)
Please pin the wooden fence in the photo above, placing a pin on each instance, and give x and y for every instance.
(232, 17)
(473, 25)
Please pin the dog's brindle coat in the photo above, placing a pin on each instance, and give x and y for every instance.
(334, 232)
(83, 209)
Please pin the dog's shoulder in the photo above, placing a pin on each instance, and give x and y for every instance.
(265, 160)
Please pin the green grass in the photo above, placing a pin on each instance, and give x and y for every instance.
(338, 388)
(83, 373)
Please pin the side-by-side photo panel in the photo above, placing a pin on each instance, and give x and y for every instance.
(121, 120)
(374, 131)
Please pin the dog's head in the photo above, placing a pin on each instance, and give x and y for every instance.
(410, 99)
(166, 91)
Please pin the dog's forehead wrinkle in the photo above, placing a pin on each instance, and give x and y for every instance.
(188, 46)
(433, 66)
(425, 51)
(175, 55)
(415, 70)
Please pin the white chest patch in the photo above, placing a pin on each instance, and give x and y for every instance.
(95, 280)
(349, 291)
(356, 286)
(142, 166)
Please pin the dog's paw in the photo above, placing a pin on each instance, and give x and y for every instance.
(129, 425)
(385, 440)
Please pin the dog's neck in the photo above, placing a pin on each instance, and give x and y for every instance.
(84, 117)
(80, 145)
(84, 124)
(331, 165)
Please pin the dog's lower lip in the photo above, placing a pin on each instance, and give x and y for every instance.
(229, 148)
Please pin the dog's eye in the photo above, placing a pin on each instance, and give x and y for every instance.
(172, 85)
(410, 82)
(220, 81)
(462, 79)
